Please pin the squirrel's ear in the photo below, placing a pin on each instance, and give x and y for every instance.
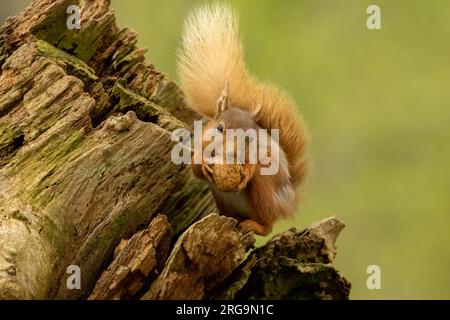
(222, 103)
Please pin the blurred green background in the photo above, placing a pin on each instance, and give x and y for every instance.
(378, 107)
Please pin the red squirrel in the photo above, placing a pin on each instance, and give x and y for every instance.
(217, 85)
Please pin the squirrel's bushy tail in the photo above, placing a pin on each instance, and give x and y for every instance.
(211, 59)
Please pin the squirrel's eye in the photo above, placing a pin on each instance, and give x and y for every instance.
(220, 127)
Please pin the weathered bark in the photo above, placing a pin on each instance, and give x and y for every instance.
(75, 179)
(85, 141)
(136, 262)
(204, 256)
(292, 265)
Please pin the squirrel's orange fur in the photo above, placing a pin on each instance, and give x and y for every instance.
(212, 59)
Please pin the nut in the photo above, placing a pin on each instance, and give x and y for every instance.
(227, 177)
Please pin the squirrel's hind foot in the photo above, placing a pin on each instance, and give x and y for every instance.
(251, 225)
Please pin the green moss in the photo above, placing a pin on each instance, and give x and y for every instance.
(131, 58)
(75, 66)
(9, 140)
(62, 148)
(170, 96)
(84, 42)
(145, 109)
(53, 27)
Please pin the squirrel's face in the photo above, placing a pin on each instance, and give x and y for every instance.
(232, 118)
(227, 118)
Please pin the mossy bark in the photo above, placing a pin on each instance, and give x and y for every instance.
(85, 141)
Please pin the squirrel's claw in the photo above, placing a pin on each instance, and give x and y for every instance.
(207, 172)
(242, 184)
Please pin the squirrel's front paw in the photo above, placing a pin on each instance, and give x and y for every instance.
(245, 178)
(251, 225)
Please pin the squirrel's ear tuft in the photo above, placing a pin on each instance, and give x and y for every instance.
(222, 103)
(257, 112)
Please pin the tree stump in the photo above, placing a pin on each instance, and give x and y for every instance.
(85, 169)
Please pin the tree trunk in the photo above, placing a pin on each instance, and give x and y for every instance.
(85, 143)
